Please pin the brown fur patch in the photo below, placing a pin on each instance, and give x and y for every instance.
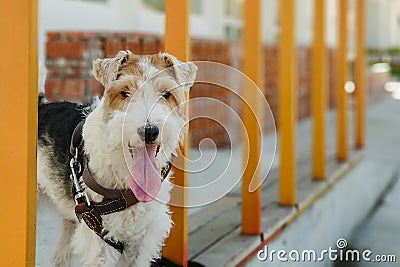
(115, 97)
(131, 67)
(131, 72)
(163, 62)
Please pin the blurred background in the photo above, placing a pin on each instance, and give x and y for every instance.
(74, 32)
(357, 200)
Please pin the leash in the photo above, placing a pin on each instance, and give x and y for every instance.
(113, 200)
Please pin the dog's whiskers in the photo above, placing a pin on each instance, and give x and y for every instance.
(130, 149)
(115, 148)
(158, 150)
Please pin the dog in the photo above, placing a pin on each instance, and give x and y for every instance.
(127, 138)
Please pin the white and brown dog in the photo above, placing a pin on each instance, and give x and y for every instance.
(127, 139)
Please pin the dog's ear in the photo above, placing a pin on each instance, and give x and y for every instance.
(185, 72)
(106, 70)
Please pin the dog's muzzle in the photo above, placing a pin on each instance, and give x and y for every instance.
(148, 133)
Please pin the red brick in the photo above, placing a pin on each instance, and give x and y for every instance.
(160, 46)
(71, 63)
(73, 36)
(53, 73)
(83, 63)
(94, 43)
(53, 36)
(112, 47)
(133, 45)
(51, 63)
(121, 35)
(96, 89)
(73, 89)
(149, 46)
(65, 49)
(53, 87)
(90, 35)
(75, 72)
(71, 73)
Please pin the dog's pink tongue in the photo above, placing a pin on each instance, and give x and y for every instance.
(145, 181)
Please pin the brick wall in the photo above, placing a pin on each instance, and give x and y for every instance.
(69, 78)
(213, 127)
(69, 56)
(304, 80)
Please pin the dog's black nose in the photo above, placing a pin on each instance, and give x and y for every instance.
(148, 133)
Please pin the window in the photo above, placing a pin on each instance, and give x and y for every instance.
(196, 7)
(156, 5)
(234, 8)
(232, 32)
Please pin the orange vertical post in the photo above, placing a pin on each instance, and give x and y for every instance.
(287, 103)
(342, 104)
(18, 132)
(319, 92)
(177, 43)
(252, 65)
(359, 129)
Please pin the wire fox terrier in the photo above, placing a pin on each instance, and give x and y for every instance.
(117, 160)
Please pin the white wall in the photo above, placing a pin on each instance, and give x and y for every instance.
(331, 22)
(131, 15)
(270, 24)
(209, 23)
(383, 23)
(375, 13)
(304, 21)
(112, 15)
(394, 23)
(120, 15)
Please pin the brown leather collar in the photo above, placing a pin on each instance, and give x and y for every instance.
(113, 200)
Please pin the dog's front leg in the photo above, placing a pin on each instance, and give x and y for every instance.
(146, 248)
(92, 250)
(62, 256)
(136, 257)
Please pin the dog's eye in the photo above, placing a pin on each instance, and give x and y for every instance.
(166, 94)
(125, 94)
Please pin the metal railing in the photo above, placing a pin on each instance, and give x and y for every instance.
(251, 202)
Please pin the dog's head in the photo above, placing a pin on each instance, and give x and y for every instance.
(143, 110)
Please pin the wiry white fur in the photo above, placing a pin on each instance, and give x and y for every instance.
(47, 186)
(144, 226)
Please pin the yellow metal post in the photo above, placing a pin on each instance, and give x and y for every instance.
(252, 64)
(342, 104)
(287, 103)
(177, 43)
(319, 91)
(360, 76)
(18, 132)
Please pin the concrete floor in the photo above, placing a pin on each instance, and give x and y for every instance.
(380, 231)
